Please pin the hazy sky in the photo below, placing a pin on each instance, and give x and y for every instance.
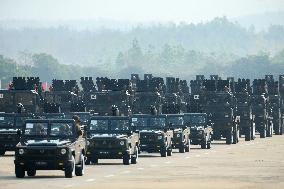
(134, 10)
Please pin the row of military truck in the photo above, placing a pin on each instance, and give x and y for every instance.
(120, 118)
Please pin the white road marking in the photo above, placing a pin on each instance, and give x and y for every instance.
(168, 162)
(153, 165)
(90, 180)
(187, 157)
(107, 176)
(197, 155)
(206, 153)
(68, 186)
(228, 148)
(125, 172)
(140, 168)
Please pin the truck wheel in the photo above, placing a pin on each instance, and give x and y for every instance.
(80, 169)
(88, 161)
(277, 130)
(208, 146)
(169, 151)
(281, 129)
(182, 148)
(248, 134)
(235, 135)
(269, 131)
(19, 171)
(70, 169)
(203, 143)
(126, 159)
(229, 137)
(187, 147)
(31, 172)
(163, 152)
(263, 132)
(134, 158)
(2, 152)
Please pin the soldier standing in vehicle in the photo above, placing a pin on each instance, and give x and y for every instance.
(77, 124)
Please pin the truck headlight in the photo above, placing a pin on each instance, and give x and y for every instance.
(160, 137)
(21, 151)
(226, 115)
(121, 143)
(63, 151)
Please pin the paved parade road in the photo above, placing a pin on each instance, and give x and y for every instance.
(256, 164)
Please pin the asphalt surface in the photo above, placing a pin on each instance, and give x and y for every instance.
(255, 164)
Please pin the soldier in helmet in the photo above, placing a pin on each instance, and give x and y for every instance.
(77, 124)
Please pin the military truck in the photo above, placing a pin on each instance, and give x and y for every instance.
(110, 92)
(49, 144)
(221, 107)
(111, 137)
(10, 123)
(196, 98)
(22, 96)
(274, 103)
(174, 97)
(260, 109)
(200, 129)
(181, 132)
(148, 93)
(63, 93)
(155, 134)
(244, 109)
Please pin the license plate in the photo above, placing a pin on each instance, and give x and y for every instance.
(41, 163)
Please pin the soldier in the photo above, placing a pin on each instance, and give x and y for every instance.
(77, 124)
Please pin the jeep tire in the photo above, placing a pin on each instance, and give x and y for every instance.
(70, 169)
(19, 171)
(80, 169)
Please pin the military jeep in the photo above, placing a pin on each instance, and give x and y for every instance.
(111, 137)
(155, 135)
(181, 132)
(50, 145)
(200, 129)
(10, 123)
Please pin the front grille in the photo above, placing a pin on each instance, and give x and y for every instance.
(105, 144)
(41, 152)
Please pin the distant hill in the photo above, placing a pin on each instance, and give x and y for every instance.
(261, 21)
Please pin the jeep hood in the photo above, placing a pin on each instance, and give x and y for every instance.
(107, 136)
(47, 142)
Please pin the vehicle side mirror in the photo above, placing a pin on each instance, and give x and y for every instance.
(19, 132)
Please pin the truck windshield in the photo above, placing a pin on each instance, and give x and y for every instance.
(99, 125)
(6, 121)
(175, 121)
(194, 119)
(139, 122)
(20, 121)
(157, 122)
(119, 125)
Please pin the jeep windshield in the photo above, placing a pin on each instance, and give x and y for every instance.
(109, 125)
(175, 120)
(49, 130)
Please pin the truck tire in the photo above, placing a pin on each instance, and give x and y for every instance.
(126, 159)
(187, 147)
(2, 152)
(263, 132)
(163, 152)
(70, 169)
(19, 171)
(182, 148)
(248, 134)
(281, 130)
(80, 169)
(169, 151)
(203, 143)
(31, 172)
(269, 131)
(252, 131)
(134, 158)
(229, 137)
